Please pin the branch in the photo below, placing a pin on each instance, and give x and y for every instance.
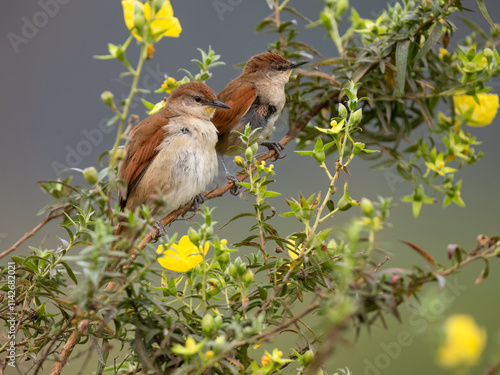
(70, 344)
(28, 235)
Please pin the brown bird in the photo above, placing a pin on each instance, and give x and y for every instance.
(257, 97)
(171, 155)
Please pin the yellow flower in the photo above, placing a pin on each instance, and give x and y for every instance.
(209, 354)
(474, 114)
(183, 256)
(464, 342)
(265, 360)
(223, 242)
(333, 123)
(442, 53)
(238, 160)
(162, 23)
(168, 84)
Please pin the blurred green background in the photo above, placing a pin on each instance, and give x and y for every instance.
(50, 97)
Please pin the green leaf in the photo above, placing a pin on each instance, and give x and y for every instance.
(484, 12)
(431, 40)
(147, 104)
(401, 64)
(70, 272)
(245, 214)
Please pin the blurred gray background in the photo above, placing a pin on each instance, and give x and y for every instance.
(50, 98)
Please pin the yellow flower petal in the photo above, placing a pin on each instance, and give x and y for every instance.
(464, 342)
(163, 23)
(128, 12)
(475, 114)
(183, 256)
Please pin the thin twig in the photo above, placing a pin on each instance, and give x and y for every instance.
(34, 231)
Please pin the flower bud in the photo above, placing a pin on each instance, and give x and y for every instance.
(254, 147)
(342, 6)
(107, 98)
(248, 153)
(233, 271)
(194, 237)
(139, 19)
(356, 117)
(90, 174)
(342, 111)
(367, 207)
(307, 358)
(488, 53)
(247, 278)
(224, 258)
(207, 324)
(238, 160)
(119, 154)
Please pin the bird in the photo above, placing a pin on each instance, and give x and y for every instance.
(257, 97)
(171, 154)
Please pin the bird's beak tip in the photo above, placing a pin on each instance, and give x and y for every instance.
(296, 65)
(219, 104)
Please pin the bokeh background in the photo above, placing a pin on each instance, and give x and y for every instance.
(50, 97)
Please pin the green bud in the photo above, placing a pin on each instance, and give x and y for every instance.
(119, 154)
(107, 98)
(247, 278)
(356, 117)
(367, 207)
(254, 148)
(139, 19)
(233, 271)
(342, 111)
(194, 237)
(90, 174)
(224, 258)
(307, 358)
(157, 4)
(488, 53)
(207, 324)
(358, 147)
(326, 20)
(248, 154)
(342, 6)
(214, 282)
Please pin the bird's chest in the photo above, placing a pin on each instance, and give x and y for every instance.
(187, 161)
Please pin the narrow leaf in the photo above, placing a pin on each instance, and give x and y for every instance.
(401, 64)
(431, 40)
(484, 12)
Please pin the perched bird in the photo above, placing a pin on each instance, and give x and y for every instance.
(257, 97)
(171, 155)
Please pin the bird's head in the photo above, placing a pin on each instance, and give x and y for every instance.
(194, 99)
(271, 65)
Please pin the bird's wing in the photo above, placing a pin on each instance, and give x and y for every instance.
(240, 101)
(141, 149)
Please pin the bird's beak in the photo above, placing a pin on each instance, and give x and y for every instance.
(296, 65)
(218, 104)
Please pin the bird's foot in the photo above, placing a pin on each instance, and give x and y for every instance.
(236, 189)
(197, 202)
(277, 147)
(160, 231)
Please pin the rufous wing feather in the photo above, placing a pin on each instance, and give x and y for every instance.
(240, 101)
(141, 150)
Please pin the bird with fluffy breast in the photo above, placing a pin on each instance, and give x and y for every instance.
(257, 97)
(171, 154)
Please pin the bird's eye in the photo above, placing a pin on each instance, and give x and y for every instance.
(197, 99)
